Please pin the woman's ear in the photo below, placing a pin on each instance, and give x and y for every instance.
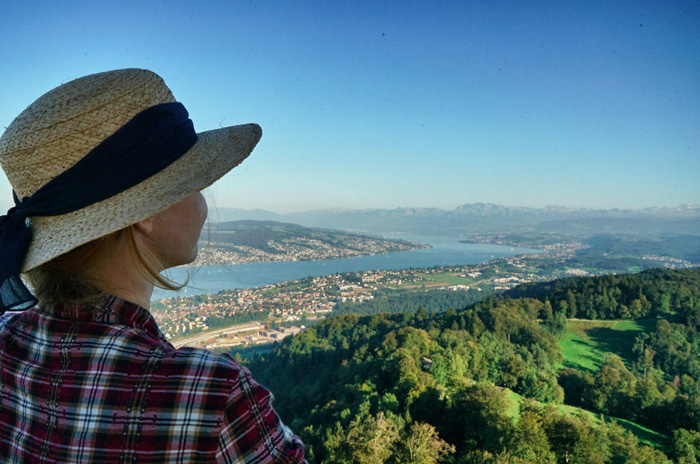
(145, 226)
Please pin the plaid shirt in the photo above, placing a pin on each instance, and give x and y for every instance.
(102, 384)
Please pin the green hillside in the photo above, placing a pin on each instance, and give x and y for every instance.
(645, 435)
(503, 380)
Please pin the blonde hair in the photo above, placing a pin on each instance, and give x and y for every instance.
(70, 278)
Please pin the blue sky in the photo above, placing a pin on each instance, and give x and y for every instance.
(383, 104)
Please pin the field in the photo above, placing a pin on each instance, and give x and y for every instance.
(437, 280)
(586, 342)
(584, 346)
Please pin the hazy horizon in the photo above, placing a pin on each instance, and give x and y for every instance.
(448, 208)
(368, 105)
(693, 206)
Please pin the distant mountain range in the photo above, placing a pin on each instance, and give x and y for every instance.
(487, 218)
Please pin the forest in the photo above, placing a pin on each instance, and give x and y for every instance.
(396, 301)
(489, 383)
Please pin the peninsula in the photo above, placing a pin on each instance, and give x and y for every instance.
(249, 241)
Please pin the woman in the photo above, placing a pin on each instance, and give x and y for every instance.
(106, 172)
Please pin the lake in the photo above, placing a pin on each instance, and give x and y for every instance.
(445, 251)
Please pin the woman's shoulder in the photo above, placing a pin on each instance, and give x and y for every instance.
(204, 364)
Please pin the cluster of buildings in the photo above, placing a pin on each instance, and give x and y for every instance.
(668, 261)
(291, 304)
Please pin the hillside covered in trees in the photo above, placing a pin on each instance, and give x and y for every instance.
(489, 383)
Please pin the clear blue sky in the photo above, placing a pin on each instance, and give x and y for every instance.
(382, 104)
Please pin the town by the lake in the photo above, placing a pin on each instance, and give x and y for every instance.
(269, 313)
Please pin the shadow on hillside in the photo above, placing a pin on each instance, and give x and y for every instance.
(608, 340)
(646, 436)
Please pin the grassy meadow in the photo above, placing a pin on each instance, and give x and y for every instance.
(584, 346)
(586, 342)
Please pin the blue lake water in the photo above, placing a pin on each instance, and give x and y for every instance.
(444, 252)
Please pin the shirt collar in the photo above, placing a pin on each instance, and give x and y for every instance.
(110, 310)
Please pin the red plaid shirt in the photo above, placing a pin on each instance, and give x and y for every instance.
(102, 384)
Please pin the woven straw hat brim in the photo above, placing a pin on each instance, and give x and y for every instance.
(215, 153)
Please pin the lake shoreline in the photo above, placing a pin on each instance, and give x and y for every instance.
(443, 252)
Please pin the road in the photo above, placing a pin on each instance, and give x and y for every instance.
(198, 339)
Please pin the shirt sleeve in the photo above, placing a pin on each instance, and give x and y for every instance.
(252, 432)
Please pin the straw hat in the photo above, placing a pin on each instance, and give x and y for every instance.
(65, 124)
